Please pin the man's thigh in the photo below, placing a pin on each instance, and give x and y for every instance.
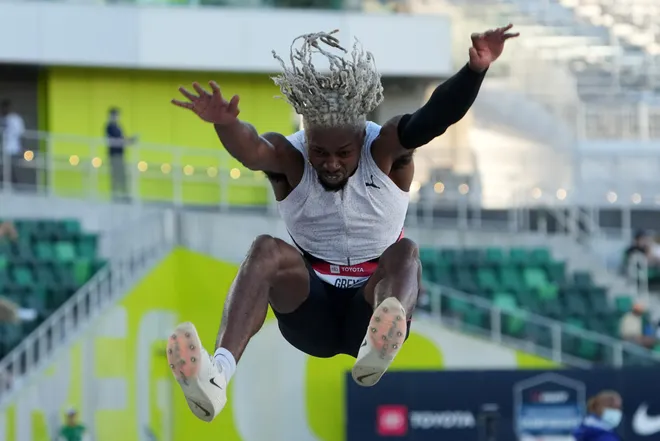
(308, 322)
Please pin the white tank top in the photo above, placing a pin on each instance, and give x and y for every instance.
(346, 229)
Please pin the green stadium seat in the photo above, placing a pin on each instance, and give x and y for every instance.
(487, 279)
(65, 251)
(518, 255)
(457, 306)
(612, 324)
(449, 256)
(513, 318)
(597, 324)
(82, 271)
(540, 256)
(71, 227)
(23, 251)
(465, 281)
(44, 275)
(510, 278)
(539, 334)
(550, 308)
(575, 305)
(43, 268)
(476, 318)
(598, 302)
(623, 303)
(87, 246)
(444, 275)
(45, 251)
(505, 301)
(582, 279)
(535, 278)
(22, 276)
(519, 280)
(528, 300)
(429, 257)
(472, 256)
(494, 255)
(556, 272)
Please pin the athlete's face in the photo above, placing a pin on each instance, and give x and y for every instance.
(334, 153)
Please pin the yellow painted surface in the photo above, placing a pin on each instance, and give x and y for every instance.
(77, 103)
(531, 361)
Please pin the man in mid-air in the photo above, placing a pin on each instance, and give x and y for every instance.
(350, 282)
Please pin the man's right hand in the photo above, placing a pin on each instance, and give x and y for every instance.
(212, 108)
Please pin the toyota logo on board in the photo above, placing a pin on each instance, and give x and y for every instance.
(392, 420)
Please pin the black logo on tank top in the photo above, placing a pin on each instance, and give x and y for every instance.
(371, 184)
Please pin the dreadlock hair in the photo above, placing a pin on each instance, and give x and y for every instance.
(340, 98)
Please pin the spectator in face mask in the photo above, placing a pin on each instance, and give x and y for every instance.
(603, 416)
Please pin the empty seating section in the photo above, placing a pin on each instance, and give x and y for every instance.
(48, 262)
(519, 281)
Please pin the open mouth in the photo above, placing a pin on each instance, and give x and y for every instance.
(333, 178)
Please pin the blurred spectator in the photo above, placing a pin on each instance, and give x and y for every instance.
(117, 142)
(72, 430)
(632, 328)
(642, 244)
(642, 260)
(603, 417)
(8, 311)
(12, 128)
(7, 229)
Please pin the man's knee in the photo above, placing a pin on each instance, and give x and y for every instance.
(404, 252)
(274, 257)
(265, 250)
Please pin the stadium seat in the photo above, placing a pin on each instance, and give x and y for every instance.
(519, 281)
(50, 260)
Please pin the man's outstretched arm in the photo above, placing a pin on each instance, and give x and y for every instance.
(265, 153)
(452, 99)
(448, 104)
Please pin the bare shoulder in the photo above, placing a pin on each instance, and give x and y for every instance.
(277, 140)
(391, 125)
(290, 158)
(386, 148)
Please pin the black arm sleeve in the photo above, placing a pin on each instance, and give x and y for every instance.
(448, 104)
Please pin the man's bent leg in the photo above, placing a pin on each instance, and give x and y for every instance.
(391, 293)
(399, 275)
(203, 378)
(273, 271)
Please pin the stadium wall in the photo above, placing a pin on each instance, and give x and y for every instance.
(77, 103)
(117, 374)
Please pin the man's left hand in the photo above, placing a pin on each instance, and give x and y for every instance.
(487, 47)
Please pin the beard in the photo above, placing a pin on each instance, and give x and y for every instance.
(335, 186)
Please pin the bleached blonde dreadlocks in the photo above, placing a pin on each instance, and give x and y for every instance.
(342, 97)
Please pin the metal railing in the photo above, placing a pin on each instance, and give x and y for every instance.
(597, 181)
(554, 340)
(77, 166)
(150, 239)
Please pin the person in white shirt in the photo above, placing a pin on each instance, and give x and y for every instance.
(631, 327)
(12, 129)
